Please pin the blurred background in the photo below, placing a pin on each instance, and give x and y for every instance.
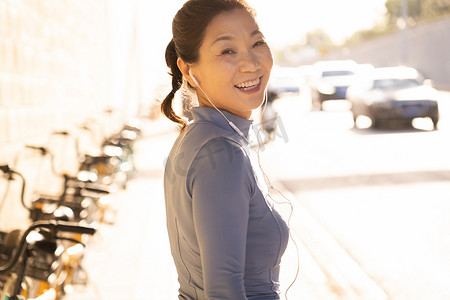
(356, 130)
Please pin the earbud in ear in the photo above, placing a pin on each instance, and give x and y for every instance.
(193, 78)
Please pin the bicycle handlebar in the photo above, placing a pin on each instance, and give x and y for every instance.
(72, 227)
(43, 150)
(55, 226)
(60, 133)
(7, 170)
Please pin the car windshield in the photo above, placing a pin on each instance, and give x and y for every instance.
(337, 73)
(394, 83)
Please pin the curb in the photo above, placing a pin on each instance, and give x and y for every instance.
(345, 277)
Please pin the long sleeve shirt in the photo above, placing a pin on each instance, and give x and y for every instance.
(226, 238)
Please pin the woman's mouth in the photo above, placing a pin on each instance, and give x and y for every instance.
(250, 86)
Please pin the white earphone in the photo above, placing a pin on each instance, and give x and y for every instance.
(193, 78)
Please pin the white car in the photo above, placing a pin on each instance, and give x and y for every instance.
(393, 94)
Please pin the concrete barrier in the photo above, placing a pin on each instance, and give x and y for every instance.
(425, 47)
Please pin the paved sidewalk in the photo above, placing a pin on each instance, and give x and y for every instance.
(131, 259)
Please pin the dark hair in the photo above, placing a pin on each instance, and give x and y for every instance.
(188, 30)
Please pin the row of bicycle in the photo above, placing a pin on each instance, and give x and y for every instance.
(44, 260)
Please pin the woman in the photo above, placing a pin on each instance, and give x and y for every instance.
(226, 238)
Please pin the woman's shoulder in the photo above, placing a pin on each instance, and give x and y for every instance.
(204, 139)
(219, 161)
(199, 134)
(207, 130)
(221, 148)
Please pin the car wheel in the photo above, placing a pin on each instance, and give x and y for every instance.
(435, 122)
(376, 123)
(355, 116)
(321, 106)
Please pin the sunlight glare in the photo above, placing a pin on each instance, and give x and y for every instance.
(363, 122)
(286, 21)
(423, 124)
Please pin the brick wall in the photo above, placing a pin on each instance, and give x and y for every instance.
(53, 75)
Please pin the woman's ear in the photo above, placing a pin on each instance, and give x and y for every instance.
(184, 68)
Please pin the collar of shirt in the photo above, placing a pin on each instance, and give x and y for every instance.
(205, 113)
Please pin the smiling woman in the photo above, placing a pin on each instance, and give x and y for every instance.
(234, 65)
(225, 234)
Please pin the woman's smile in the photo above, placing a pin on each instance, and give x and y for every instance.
(251, 86)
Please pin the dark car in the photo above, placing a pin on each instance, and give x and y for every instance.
(331, 80)
(285, 80)
(394, 94)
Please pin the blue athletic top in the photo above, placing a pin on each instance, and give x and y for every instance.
(226, 238)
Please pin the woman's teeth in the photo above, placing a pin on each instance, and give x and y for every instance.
(249, 84)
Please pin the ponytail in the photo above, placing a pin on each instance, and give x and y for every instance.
(177, 79)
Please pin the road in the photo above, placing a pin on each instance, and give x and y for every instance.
(378, 199)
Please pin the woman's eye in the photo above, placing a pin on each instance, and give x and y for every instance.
(260, 43)
(227, 52)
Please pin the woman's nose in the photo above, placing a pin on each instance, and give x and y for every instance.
(249, 62)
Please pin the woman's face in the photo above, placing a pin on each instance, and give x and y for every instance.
(234, 64)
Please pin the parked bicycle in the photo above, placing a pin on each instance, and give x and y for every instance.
(41, 261)
(69, 260)
(30, 261)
